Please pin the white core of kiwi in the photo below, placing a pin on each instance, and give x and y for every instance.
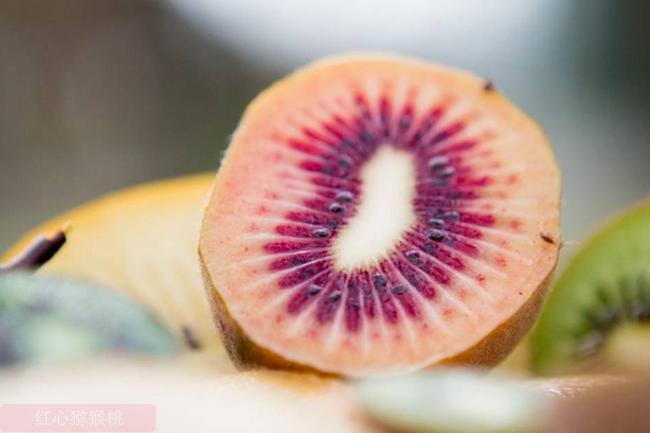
(384, 213)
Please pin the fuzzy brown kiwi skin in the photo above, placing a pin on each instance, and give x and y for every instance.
(486, 353)
(243, 352)
(497, 345)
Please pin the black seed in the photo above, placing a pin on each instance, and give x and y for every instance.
(413, 256)
(336, 207)
(332, 224)
(190, 339)
(446, 172)
(307, 272)
(334, 296)
(345, 163)
(436, 235)
(322, 232)
(366, 137)
(451, 215)
(346, 143)
(438, 162)
(436, 222)
(379, 280)
(405, 122)
(328, 169)
(313, 289)
(345, 196)
(546, 238)
(399, 289)
(488, 86)
(429, 247)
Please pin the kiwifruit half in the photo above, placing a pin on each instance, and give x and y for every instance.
(375, 214)
(606, 285)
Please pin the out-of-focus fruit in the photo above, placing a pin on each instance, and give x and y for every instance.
(518, 361)
(44, 319)
(142, 241)
(618, 407)
(454, 401)
(607, 284)
(246, 402)
(627, 349)
(191, 395)
(376, 215)
(37, 253)
(568, 387)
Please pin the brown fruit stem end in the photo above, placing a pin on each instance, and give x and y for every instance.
(37, 253)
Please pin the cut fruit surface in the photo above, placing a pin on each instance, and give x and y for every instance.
(141, 241)
(605, 287)
(375, 215)
(368, 239)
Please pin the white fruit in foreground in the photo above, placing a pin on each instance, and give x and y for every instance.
(191, 395)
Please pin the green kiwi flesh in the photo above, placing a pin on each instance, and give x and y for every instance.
(605, 286)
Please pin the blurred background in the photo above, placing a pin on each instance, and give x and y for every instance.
(98, 95)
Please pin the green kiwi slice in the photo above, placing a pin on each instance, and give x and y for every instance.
(605, 286)
(44, 319)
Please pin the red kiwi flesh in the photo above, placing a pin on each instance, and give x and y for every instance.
(375, 215)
